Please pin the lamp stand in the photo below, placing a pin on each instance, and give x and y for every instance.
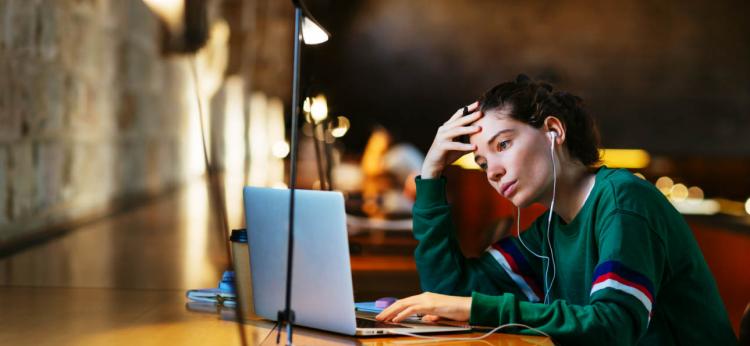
(286, 316)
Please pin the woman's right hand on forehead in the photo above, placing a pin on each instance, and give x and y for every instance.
(445, 148)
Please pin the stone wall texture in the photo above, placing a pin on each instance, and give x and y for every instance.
(92, 112)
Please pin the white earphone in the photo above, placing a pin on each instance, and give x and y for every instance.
(552, 134)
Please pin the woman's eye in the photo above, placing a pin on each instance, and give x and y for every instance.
(503, 145)
(483, 166)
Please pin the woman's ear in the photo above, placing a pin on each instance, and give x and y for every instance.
(555, 127)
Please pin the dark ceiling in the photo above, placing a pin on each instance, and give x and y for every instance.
(667, 76)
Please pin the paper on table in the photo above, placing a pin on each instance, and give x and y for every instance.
(367, 307)
(370, 307)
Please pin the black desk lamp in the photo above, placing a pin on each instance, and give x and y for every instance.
(308, 30)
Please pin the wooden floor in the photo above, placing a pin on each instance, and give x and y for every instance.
(122, 281)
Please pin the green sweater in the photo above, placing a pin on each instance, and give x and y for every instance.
(628, 270)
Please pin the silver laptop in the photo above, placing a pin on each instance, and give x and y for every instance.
(322, 295)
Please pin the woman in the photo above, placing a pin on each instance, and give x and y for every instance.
(611, 263)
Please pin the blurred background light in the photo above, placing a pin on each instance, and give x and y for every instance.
(730, 207)
(170, 11)
(701, 207)
(280, 149)
(306, 105)
(664, 184)
(467, 162)
(319, 108)
(342, 126)
(679, 192)
(695, 193)
(625, 158)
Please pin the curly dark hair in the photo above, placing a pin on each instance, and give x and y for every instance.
(531, 102)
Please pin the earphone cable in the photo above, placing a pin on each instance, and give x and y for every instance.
(549, 222)
(477, 338)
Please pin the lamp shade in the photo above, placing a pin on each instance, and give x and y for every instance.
(312, 32)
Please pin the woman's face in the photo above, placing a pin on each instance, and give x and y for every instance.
(515, 156)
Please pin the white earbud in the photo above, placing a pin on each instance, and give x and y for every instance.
(552, 135)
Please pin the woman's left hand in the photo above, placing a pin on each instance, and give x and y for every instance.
(431, 305)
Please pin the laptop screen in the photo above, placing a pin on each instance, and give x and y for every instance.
(322, 295)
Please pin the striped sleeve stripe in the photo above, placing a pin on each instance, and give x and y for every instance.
(517, 268)
(509, 249)
(613, 274)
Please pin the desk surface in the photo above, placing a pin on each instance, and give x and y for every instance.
(92, 316)
(122, 280)
(303, 336)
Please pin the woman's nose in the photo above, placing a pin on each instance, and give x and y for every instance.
(494, 172)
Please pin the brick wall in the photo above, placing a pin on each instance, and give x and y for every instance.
(92, 113)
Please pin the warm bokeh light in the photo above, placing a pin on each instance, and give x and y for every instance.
(266, 129)
(376, 147)
(280, 149)
(312, 33)
(319, 108)
(275, 128)
(169, 11)
(730, 207)
(664, 184)
(695, 193)
(625, 158)
(280, 185)
(341, 128)
(467, 162)
(306, 105)
(747, 206)
(698, 207)
(316, 185)
(258, 139)
(679, 192)
(233, 135)
(195, 268)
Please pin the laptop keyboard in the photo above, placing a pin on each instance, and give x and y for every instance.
(366, 323)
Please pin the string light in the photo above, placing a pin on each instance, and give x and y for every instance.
(664, 184)
(342, 126)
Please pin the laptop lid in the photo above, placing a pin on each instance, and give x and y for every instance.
(322, 294)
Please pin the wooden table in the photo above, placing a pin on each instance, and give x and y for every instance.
(93, 316)
(122, 281)
(306, 336)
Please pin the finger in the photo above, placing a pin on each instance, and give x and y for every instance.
(458, 146)
(460, 112)
(451, 134)
(387, 312)
(391, 311)
(463, 122)
(468, 119)
(430, 318)
(406, 313)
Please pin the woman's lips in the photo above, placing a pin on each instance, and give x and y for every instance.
(508, 188)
